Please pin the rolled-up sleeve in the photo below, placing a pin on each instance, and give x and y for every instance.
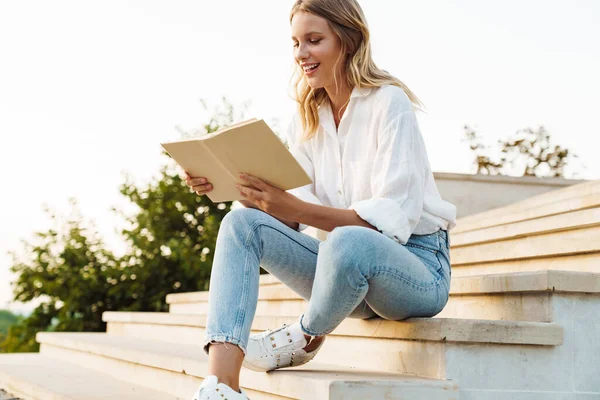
(300, 153)
(398, 179)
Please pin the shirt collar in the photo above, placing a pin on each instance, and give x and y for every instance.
(360, 92)
(356, 92)
(326, 116)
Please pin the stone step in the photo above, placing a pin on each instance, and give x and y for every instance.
(552, 244)
(585, 262)
(529, 281)
(576, 197)
(521, 229)
(416, 346)
(523, 296)
(34, 376)
(424, 329)
(484, 370)
(177, 369)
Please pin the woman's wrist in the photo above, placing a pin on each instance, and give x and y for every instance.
(248, 204)
(292, 224)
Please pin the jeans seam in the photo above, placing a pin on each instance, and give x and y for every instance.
(347, 309)
(445, 237)
(421, 247)
(239, 320)
(259, 223)
(402, 277)
(442, 265)
(245, 288)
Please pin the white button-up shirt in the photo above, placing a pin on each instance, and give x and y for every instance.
(375, 163)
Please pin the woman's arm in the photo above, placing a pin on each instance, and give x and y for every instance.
(328, 218)
(291, 224)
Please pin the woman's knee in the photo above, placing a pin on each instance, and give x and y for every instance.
(343, 245)
(242, 217)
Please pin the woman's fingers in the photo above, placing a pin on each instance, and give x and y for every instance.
(198, 185)
(208, 186)
(196, 181)
(202, 192)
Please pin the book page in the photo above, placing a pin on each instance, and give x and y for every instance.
(193, 157)
(218, 132)
(255, 149)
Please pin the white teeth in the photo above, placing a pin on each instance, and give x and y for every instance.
(311, 67)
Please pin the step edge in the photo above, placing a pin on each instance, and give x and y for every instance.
(200, 367)
(421, 329)
(553, 276)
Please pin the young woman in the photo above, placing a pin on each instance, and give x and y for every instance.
(387, 253)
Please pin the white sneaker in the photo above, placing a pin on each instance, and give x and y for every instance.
(211, 389)
(270, 350)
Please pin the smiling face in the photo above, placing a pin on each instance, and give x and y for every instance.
(315, 43)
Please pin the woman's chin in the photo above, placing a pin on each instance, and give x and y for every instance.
(313, 83)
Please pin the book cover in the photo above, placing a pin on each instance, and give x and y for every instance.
(250, 147)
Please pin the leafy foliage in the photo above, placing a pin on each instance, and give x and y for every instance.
(529, 154)
(171, 240)
(7, 319)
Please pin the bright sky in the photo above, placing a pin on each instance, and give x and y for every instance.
(89, 89)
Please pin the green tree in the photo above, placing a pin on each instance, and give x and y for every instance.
(530, 153)
(7, 318)
(171, 239)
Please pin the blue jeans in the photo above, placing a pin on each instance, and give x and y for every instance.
(356, 272)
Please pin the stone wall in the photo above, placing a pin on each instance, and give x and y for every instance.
(472, 194)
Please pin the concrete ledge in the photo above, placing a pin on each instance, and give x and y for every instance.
(530, 180)
(37, 377)
(584, 262)
(550, 245)
(536, 281)
(518, 296)
(522, 229)
(577, 197)
(529, 281)
(424, 329)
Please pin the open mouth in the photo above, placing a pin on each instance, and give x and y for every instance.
(311, 70)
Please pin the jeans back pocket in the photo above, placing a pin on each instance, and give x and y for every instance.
(426, 247)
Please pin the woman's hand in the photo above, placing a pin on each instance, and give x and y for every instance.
(199, 185)
(270, 199)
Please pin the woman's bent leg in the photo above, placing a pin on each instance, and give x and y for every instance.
(249, 238)
(358, 264)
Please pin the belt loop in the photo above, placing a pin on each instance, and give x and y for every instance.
(446, 237)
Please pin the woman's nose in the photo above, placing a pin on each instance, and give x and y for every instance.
(301, 54)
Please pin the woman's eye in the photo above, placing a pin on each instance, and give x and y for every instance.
(311, 42)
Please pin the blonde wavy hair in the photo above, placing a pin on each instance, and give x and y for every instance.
(347, 21)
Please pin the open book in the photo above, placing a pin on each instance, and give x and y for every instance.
(250, 147)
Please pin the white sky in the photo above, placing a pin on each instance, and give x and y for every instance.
(89, 89)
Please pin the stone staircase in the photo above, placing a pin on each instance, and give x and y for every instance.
(522, 323)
